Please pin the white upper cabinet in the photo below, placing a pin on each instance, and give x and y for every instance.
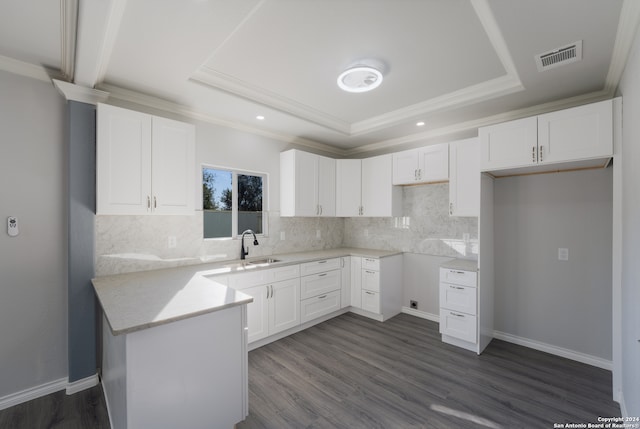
(379, 197)
(348, 187)
(510, 144)
(577, 134)
(307, 184)
(464, 177)
(145, 164)
(423, 165)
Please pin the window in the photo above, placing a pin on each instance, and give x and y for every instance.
(232, 202)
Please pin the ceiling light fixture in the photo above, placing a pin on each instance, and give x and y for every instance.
(420, 124)
(360, 78)
(260, 118)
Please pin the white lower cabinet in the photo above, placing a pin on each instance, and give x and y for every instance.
(459, 308)
(320, 291)
(376, 286)
(283, 305)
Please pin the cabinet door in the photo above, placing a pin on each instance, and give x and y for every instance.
(582, 132)
(458, 298)
(510, 144)
(123, 161)
(464, 179)
(257, 312)
(306, 184)
(327, 186)
(356, 281)
(458, 325)
(348, 187)
(284, 305)
(173, 166)
(379, 197)
(433, 163)
(405, 167)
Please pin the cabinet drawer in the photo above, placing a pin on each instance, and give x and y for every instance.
(286, 273)
(458, 277)
(371, 264)
(458, 298)
(316, 267)
(371, 280)
(371, 301)
(319, 284)
(312, 308)
(458, 325)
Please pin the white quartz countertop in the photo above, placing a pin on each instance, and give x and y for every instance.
(461, 264)
(141, 300)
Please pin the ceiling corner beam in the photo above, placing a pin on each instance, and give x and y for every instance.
(627, 28)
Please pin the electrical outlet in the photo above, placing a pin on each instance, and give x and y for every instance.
(413, 304)
(563, 254)
(172, 242)
(282, 236)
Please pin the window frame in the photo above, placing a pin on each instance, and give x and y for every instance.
(234, 192)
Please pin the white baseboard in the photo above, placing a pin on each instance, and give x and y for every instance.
(47, 389)
(80, 385)
(421, 314)
(32, 393)
(555, 350)
(623, 406)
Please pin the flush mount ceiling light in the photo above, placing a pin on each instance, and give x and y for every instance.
(360, 78)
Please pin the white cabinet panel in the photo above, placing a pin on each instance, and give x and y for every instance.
(348, 187)
(321, 283)
(458, 298)
(578, 133)
(405, 167)
(379, 197)
(458, 277)
(356, 281)
(345, 287)
(464, 177)
(145, 164)
(307, 184)
(371, 264)
(371, 280)
(284, 305)
(318, 306)
(509, 144)
(371, 301)
(319, 266)
(257, 312)
(458, 325)
(423, 165)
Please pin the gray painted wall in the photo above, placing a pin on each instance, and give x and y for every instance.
(538, 297)
(82, 203)
(33, 265)
(630, 90)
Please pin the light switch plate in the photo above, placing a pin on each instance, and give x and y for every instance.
(563, 254)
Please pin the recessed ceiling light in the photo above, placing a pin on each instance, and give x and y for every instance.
(360, 78)
(260, 118)
(420, 124)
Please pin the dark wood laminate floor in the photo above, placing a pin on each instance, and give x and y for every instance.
(82, 410)
(351, 372)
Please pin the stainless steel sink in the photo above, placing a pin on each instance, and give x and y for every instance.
(265, 261)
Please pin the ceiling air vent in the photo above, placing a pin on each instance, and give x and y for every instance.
(560, 56)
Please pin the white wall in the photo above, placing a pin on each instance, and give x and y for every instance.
(538, 297)
(33, 288)
(630, 374)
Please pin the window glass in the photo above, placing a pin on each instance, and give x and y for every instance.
(232, 202)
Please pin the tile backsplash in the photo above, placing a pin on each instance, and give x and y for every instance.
(138, 243)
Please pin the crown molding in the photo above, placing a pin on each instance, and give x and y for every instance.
(627, 28)
(68, 28)
(73, 92)
(149, 101)
(214, 79)
(482, 122)
(473, 94)
(33, 71)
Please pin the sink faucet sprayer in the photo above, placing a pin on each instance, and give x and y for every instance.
(243, 252)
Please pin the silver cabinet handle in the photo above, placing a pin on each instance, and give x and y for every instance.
(369, 293)
(322, 275)
(322, 262)
(320, 210)
(456, 314)
(419, 173)
(540, 156)
(456, 272)
(268, 291)
(322, 297)
(456, 287)
(369, 272)
(533, 154)
(148, 202)
(450, 208)
(369, 260)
